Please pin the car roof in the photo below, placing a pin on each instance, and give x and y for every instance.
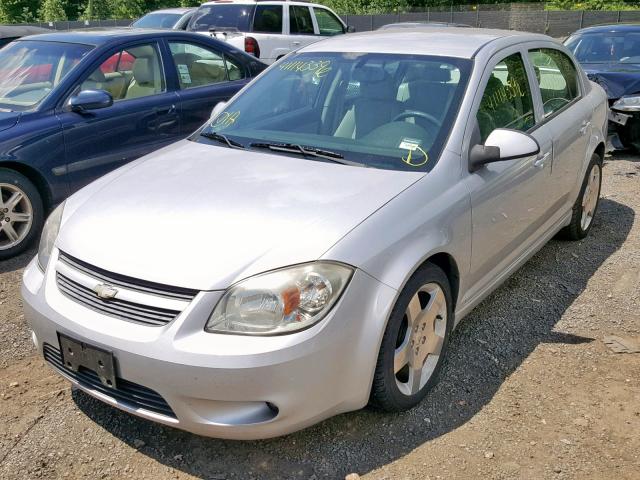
(617, 27)
(103, 36)
(172, 10)
(459, 42)
(252, 2)
(12, 31)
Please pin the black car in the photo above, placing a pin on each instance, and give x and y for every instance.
(610, 55)
(9, 33)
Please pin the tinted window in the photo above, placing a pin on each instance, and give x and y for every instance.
(328, 24)
(30, 70)
(507, 101)
(605, 47)
(268, 19)
(300, 20)
(557, 78)
(158, 20)
(197, 66)
(235, 71)
(133, 73)
(349, 104)
(221, 16)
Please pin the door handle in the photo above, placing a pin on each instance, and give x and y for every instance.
(167, 111)
(584, 127)
(539, 162)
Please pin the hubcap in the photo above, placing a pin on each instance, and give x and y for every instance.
(16, 215)
(420, 339)
(590, 197)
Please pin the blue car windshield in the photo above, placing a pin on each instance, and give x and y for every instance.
(30, 70)
(605, 47)
(386, 111)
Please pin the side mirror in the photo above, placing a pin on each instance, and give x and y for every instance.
(351, 29)
(502, 144)
(220, 106)
(90, 100)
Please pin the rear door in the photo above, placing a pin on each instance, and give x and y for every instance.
(566, 114)
(143, 117)
(204, 76)
(301, 26)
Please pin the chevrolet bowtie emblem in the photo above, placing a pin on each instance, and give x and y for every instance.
(105, 292)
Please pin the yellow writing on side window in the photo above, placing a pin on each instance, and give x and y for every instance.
(319, 68)
(225, 119)
(504, 94)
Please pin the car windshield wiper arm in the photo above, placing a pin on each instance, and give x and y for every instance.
(307, 152)
(218, 137)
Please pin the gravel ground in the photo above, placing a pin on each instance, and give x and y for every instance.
(529, 391)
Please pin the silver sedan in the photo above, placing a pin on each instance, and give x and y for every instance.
(310, 249)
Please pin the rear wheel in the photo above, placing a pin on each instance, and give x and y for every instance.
(415, 341)
(586, 205)
(21, 213)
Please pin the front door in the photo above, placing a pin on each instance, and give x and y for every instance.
(509, 197)
(301, 31)
(143, 117)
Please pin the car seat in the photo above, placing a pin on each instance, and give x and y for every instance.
(146, 78)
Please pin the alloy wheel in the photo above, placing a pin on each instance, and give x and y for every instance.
(590, 197)
(16, 215)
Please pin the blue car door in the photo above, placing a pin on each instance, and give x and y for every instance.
(204, 76)
(143, 117)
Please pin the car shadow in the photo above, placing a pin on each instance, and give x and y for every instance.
(16, 263)
(487, 347)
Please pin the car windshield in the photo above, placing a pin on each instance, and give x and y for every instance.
(381, 110)
(158, 20)
(30, 70)
(605, 47)
(236, 16)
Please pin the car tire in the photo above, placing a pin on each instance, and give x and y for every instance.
(584, 210)
(19, 197)
(415, 341)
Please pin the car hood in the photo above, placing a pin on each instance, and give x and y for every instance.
(8, 119)
(200, 216)
(617, 79)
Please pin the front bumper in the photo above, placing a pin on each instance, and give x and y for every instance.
(225, 386)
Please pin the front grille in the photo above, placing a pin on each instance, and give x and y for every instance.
(128, 282)
(128, 393)
(124, 310)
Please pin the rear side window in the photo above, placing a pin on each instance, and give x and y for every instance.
(557, 78)
(507, 101)
(197, 66)
(328, 23)
(300, 20)
(268, 19)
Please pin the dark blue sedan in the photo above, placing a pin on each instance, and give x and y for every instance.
(74, 106)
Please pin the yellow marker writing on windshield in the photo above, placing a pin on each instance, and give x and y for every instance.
(408, 159)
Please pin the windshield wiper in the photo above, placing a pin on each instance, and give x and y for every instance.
(218, 137)
(307, 152)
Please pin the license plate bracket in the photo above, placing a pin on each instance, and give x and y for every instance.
(76, 354)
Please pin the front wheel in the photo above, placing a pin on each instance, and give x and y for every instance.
(21, 213)
(586, 205)
(415, 341)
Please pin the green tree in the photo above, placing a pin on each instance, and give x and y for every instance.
(53, 11)
(15, 11)
(96, 10)
(190, 3)
(128, 8)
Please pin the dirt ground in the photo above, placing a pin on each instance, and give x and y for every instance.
(530, 390)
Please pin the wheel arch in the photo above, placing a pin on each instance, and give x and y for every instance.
(600, 151)
(34, 177)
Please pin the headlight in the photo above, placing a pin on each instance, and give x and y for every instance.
(627, 104)
(49, 235)
(282, 301)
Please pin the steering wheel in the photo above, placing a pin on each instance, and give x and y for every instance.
(555, 103)
(415, 113)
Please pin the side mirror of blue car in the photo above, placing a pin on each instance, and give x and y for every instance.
(90, 100)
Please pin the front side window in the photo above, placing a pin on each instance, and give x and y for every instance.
(197, 66)
(328, 23)
(30, 70)
(268, 19)
(131, 73)
(300, 22)
(507, 101)
(350, 104)
(557, 78)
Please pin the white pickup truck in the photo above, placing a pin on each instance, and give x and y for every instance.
(267, 29)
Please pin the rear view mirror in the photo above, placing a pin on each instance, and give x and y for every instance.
(220, 106)
(90, 100)
(503, 144)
